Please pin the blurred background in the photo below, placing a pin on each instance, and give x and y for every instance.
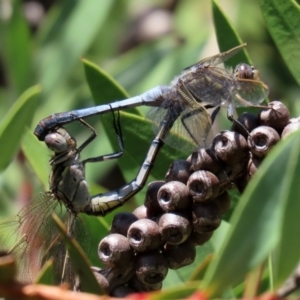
(140, 43)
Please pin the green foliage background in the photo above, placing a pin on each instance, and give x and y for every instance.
(42, 72)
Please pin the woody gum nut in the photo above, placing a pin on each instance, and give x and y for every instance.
(114, 249)
(230, 147)
(139, 286)
(179, 171)
(200, 239)
(151, 202)
(174, 228)
(204, 159)
(203, 185)
(290, 128)
(144, 235)
(151, 267)
(262, 139)
(173, 195)
(206, 217)
(223, 201)
(181, 255)
(248, 120)
(277, 116)
(121, 222)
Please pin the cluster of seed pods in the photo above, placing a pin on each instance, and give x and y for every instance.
(182, 212)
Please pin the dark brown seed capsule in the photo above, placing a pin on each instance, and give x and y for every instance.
(103, 282)
(203, 185)
(141, 212)
(173, 195)
(151, 267)
(144, 235)
(181, 255)
(121, 222)
(179, 171)
(200, 239)
(204, 159)
(231, 147)
(114, 250)
(290, 128)
(139, 286)
(119, 275)
(151, 203)
(262, 139)
(174, 228)
(206, 217)
(223, 201)
(248, 121)
(122, 291)
(276, 116)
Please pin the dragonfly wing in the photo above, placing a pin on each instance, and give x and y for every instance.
(210, 85)
(26, 234)
(219, 58)
(250, 92)
(78, 230)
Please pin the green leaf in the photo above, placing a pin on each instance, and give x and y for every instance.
(36, 154)
(266, 216)
(227, 36)
(14, 122)
(46, 274)
(16, 47)
(103, 87)
(68, 38)
(282, 20)
(79, 260)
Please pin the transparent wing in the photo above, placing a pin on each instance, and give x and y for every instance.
(189, 131)
(250, 92)
(26, 234)
(210, 85)
(219, 58)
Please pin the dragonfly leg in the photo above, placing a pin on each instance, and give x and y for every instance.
(230, 116)
(104, 203)
(118, 132)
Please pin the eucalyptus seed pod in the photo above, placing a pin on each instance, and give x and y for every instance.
(262, 139)
(118, 275)
(122, 291)
(174, 228)
(121, 222)
(179, 171)
(276, 116)
(206, 217)
(114, 250)
(231, 147)
(290, 128)
(205, 159)
(103, 282)
(200, 239)
(151, 203)
(203, 185)
(223, 201)
(248, 120)
(141, 212)
(174, 196)
(151, 267)
(144, 235)
(181, 255)
(139, 286)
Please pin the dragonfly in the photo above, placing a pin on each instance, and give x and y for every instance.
(178, 110)
(32, 232)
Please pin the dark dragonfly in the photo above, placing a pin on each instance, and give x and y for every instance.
(32, 233)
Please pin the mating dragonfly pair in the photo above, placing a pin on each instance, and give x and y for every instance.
(180, 109)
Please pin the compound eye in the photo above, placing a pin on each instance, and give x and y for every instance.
(56, 142)
(255, 74)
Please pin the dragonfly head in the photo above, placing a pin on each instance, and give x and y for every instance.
(245, 71)
(60, 141)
